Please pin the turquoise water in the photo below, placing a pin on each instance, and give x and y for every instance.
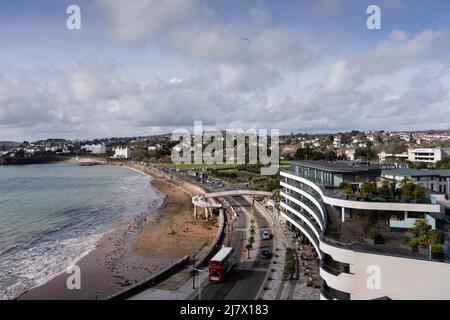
(52, 215)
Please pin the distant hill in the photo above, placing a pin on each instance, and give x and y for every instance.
(9, 144)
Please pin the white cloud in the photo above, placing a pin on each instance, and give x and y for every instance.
(134, 22)
(261, 14)
(276, 79)
(175, 81)
(401, 51)
(398, 35)
(340, 78)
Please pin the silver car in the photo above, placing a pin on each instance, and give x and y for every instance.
(266, 235)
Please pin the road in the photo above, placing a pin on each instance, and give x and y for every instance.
(245, 279)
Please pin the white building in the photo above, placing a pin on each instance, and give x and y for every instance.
(383, 156)
(95, 148)
(51, 149)
(31, 151)
(426, 155)
(154, 148)
(122, 153)
(353, 267)
(350, 154)
(434, 180)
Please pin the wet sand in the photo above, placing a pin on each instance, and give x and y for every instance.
(137, 248)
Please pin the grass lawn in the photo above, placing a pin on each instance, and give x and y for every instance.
(188, 166)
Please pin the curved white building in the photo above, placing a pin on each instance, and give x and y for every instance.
(338, 226)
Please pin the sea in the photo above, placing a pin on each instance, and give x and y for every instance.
(51, 215)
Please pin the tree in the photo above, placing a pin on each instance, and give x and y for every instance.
(330, 156)
(139, 154)
(369, 222)
(346, 188)
(252, 231)
(419, 191)
(302, 153)
(443, 164)
(386, 190)
(437, 248)
(421, 227)
(421, 165)
(271, 185)
(287, 156)
(411, 190)
(346, 138)
(386, 193)
(407, 188)
(374, 235)
(435, 236)
(368, 189)
(405, 181)
(365, 153)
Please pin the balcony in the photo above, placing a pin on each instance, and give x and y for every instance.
(303, 227)
(303, 207)
(311, 200)
(350, 235)
(298, 214)
(333, 294)
(334, 267)
(337, 194)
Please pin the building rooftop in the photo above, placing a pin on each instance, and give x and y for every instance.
(351, 233)
(341, 166)
(417, 173)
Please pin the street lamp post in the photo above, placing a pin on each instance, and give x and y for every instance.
(193, 273)
(200, 282)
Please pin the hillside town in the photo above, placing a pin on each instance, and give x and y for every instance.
(421, 149)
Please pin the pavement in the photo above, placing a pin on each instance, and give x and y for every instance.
(245, 280)
(276, 288)
(251, 278)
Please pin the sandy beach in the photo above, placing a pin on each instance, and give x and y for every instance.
(138, 247)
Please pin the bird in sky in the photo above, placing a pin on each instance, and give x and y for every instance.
(246, 39)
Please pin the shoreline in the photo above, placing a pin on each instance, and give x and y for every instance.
(138, 247)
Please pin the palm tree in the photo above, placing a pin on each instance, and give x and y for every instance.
(405, 182)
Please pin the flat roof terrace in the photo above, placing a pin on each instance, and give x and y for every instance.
(350, 235)
(407, 172)
(340, 166)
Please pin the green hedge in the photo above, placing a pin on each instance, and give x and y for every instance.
(289, 266)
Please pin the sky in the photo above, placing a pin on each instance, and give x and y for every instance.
(143, 67)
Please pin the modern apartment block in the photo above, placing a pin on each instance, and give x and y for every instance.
(426, 155)
(429, 155)
(355, 264)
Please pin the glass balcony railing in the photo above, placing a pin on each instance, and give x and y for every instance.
(376, 198)
(303, 225)
(304, 214)
(328, 238)
(312, 206)
(337, 194)
(303, 187)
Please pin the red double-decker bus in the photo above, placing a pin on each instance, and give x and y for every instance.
(220, 264)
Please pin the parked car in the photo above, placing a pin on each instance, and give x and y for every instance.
(265, 254)
(266, 235)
